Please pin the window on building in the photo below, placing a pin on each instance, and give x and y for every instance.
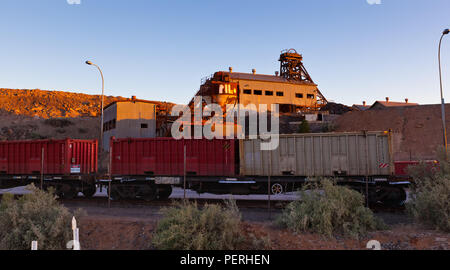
(144, 125)
(310, 96)
(257, 92)
(298, 95)
(269, 93)
(109, 125)
(280, 94)
(247, 91)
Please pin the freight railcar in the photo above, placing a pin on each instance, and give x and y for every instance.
(146, 168)
(360, 160)
(69, 166)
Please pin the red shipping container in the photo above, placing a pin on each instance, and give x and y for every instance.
(61, 157)
(401, 167)
(165, 157)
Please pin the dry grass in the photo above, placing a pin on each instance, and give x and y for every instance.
(34, 217)
(430, 194)
(187, 227)
(329, 209)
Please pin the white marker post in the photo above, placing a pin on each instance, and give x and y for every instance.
(76, 236)
(34, 245)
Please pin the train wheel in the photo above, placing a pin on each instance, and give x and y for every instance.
(150, 195)
(89, 191)
(392, 196)
(164, 192)
(277, 189)
(66, 191)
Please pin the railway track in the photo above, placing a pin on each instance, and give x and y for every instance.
(103, 201)
(259, 204)
(255, 204)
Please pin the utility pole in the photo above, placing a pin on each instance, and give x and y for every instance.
(445, 32)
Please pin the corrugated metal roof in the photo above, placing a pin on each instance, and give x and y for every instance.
(133, 101)
(262, 77)
(394, 104)
(361, 107)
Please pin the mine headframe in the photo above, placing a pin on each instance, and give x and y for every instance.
(292, 68)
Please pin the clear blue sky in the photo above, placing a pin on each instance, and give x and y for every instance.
(160, 50)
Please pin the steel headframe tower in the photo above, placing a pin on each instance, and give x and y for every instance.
(292, 68)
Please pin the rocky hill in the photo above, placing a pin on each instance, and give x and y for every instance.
(39, 114)
(51, 104)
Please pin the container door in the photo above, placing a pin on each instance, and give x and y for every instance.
(76, 152)
(3, 159)
(287, 159)
(35, 157)
(339, 160)
(148, 151)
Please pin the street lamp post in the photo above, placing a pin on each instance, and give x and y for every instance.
(103, 91)
(446, 31)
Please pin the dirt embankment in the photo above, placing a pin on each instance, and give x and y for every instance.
(417, 130)
(106, 233)
(17, 127)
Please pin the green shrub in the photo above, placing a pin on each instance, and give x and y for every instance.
(36, 136)
(83, 130)
(430, 195)
(34, 217)
(328, 209)
(186, 227)
(304, 127)
(58, 122)
(328, 127)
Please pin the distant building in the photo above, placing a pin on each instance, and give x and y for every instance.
(379, 105)
(129, 119)
(362, 107)
(292, 88)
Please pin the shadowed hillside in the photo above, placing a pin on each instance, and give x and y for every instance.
(51, 104)
(39, 114)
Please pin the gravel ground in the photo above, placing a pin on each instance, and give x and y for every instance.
(131, 227)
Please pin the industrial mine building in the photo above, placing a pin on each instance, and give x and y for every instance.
(129, 119)
(292, 87)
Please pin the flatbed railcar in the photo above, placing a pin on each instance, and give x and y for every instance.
(148, 168)
(360, 160)
(69, 166)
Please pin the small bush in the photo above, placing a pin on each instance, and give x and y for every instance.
(304, 127)
(430, 195)
(83, 130)
(34, 217)
(36, 136)
(186, 227)
(329, 209)
(58, 122)
(328, 127)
